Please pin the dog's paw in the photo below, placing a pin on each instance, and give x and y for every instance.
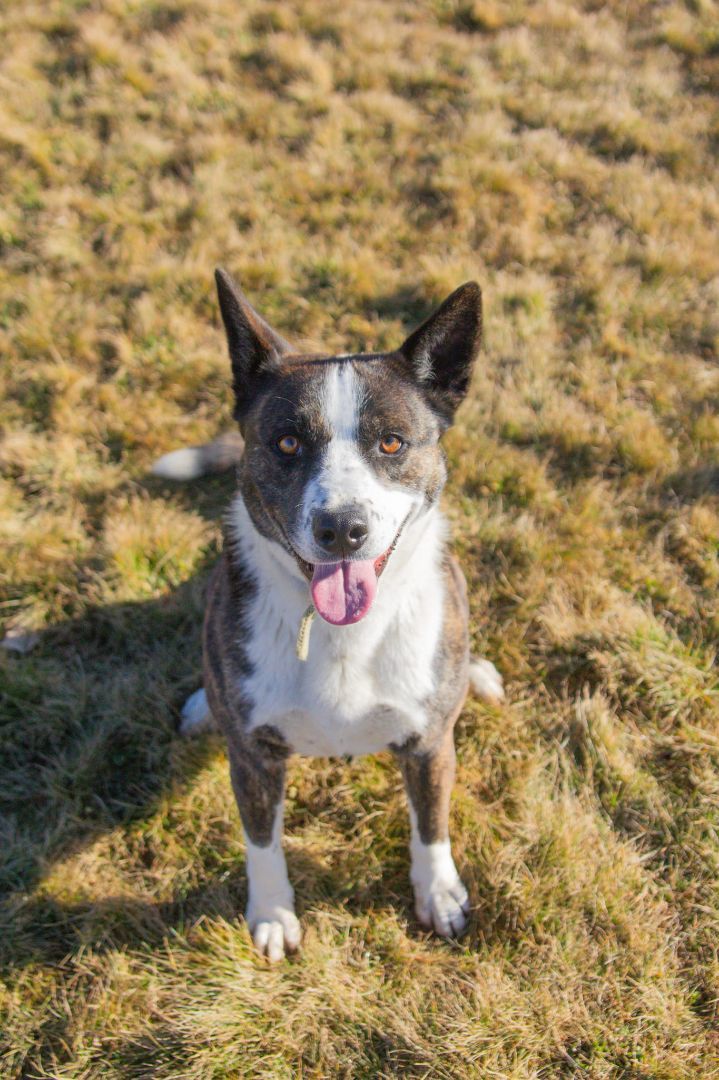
(275, 930)
(196, 716)
(486, 681)
(443, 908)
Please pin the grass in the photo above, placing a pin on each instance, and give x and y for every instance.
(351, 164)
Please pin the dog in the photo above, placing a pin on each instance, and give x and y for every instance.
(336, 515)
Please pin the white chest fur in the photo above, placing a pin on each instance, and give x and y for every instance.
(362, 686)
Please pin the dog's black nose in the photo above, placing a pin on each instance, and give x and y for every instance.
(340, 532)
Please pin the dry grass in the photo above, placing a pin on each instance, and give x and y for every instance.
(352, 163)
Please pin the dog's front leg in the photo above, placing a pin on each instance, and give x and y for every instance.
(441, 900)
(257, 768)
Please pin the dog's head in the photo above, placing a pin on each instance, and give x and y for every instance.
(342, 452)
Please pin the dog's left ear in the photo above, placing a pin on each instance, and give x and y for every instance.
(255, 347)
(443, 349)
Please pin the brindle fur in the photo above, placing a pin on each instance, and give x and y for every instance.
(257, 760)
(427, 764)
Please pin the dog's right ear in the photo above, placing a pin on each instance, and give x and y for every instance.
(254, 346)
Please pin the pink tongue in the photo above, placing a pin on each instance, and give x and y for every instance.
(343, 591)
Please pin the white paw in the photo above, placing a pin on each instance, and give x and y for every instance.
(196, 716)
(443, 908)
(486, 681)
(275, 929)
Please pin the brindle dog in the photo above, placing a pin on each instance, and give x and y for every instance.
(336, 515)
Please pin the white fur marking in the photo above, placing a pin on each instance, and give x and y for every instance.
(346, 477)
(20, 641)
(271, 905)
(196, 715)
(362, 686)
(486, 681)
(183, 464)
(342, 393)
(441, 900)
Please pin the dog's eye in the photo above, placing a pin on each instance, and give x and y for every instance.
(391, 444)
(288, 445)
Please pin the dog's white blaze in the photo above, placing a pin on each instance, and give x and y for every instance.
(346, 478)
(342, 396)
(362, 686)
(440, 896)
(271, 904)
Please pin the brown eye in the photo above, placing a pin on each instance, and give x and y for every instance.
(289, 445)
(391, 444)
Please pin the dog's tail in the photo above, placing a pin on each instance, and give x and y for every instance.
(194, 461)
(486, 681)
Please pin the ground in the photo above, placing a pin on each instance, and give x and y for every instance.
(351, 163)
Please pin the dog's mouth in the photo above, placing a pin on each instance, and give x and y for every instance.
(343, 591)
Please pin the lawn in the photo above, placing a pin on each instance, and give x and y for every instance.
(351, 163)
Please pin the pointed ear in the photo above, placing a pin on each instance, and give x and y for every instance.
(254, 346)
(443, 349)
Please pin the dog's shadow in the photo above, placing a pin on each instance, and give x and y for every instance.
(45, 929)
(89, 743)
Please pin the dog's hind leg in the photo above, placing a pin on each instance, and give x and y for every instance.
(195, 717)
(486, 681)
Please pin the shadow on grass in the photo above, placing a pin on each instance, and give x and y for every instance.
(47, 931)
(88, 737)
(688, 485)
(115, 922)
(88, 719)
